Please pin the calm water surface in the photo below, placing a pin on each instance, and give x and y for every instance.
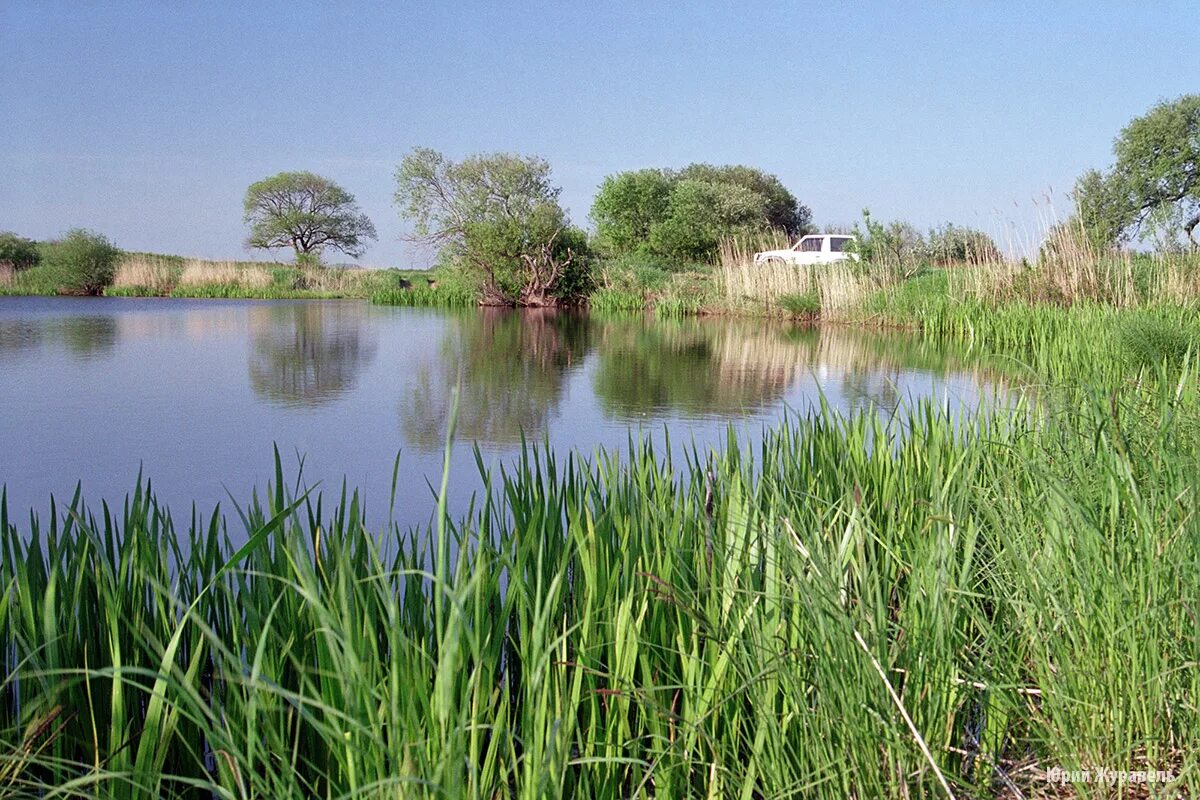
(195, 392)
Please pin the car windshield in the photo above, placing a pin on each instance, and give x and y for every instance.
(809, 244)
(837, 244)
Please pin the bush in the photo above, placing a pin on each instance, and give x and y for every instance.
(896, 245)
(83, 262)
(18, 253)
(682, 215)
(958, 244)
(499, 217)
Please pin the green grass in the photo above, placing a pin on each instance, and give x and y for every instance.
(40, 280)
(426, 296)
(608, 300)
(634, 627)
(233, 291)
(806, 305)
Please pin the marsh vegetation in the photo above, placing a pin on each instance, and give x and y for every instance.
(881, 596)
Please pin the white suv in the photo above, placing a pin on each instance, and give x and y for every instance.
(818, 249)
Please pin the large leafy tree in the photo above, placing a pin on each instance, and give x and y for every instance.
(628, 206)
(498, 217)
(1154, 186)
(780, 208)
(700, 214)
(307, 213)
(683, 215)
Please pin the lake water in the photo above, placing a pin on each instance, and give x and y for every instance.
(195, 392)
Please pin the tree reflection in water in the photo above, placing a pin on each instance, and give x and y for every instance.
(83, 336)
(729, 368)
(691, 366)
(307, 354)
(19, 335)
(511, 366)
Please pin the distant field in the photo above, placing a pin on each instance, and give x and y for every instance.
(161, 275)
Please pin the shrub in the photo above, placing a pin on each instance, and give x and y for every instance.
(958, 244)
(682, 215)
(896, 245)
(83, 262)
(499, 217)
(18, 253)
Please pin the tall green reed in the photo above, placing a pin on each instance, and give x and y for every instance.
(640, 624)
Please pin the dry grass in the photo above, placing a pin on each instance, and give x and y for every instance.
(841, 287)
(334, 280)
(226, 273)
(157, 275)
(741, 279)
(6, 274)
(1070, 270)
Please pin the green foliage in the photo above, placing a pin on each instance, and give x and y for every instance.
(130, 291)
(806, 305)
(1153, 189)
(307, 213)
(446, 286)
(781, 210)
(627, 206)
(683, 215)
(896, 245)
(1099, 221)
(18, 253)
(497, 216)
(309, 260)
(958, 244)
(82, 262)
(425, 296)
(701, 214)
(616, 300)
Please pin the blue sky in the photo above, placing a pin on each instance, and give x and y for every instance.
(148, 121)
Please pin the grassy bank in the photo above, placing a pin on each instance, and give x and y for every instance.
(148, 275)
(837, 610)
(156, 275)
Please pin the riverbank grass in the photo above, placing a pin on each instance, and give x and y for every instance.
(150, 275)
(851, 606)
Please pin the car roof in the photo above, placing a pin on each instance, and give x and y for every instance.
(827, 235)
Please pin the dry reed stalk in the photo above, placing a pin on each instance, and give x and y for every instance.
(150, 273)
(198, 273)
(1176, 280)
(740, 278)
(333, 279)
(843, 287)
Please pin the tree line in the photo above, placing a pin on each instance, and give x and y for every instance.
(497, 217)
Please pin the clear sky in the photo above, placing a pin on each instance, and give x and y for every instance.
(147, 121)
